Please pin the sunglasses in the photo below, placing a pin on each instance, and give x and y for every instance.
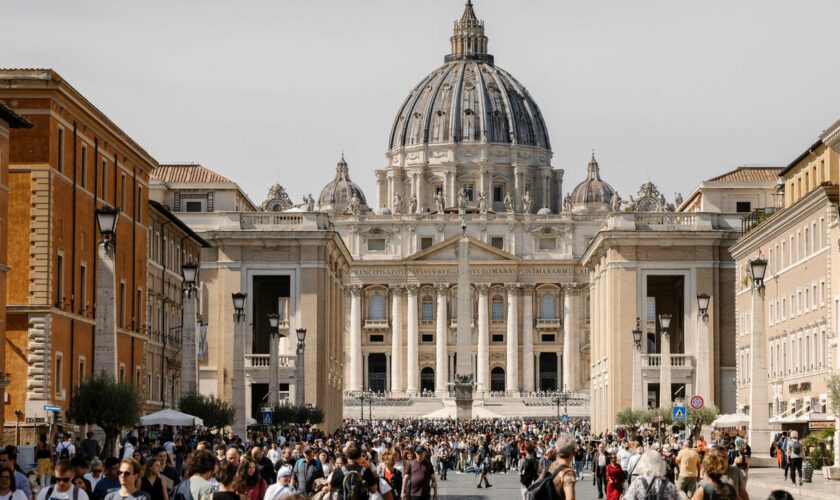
(62, 479)
(125, 473)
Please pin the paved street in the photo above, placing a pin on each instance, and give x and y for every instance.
(505, 486)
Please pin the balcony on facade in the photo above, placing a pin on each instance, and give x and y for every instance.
(548, 323)
(453, 323)
(682, 365)
(376, 324)
(673, 221)
(258, 366)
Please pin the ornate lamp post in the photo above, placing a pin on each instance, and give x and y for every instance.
(703, 300)
(189, 358)
(665, 365)
(273, 379)
(759, 431)
(638, 403)
(238, 379)
(105, 338)
(299, 381)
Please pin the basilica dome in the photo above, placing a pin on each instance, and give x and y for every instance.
(593, 194)
(469, 99)
(339, 194)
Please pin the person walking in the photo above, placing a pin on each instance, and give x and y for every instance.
(8, 491)
(129, 474)
(483, 467)
(561, 469)
(226, 476)
(306, 471)
(420, 480)
(44, 460)
(615, 478)
(794, 453)
(250, 482)
(715, 463)
(63, 489)
(599, 468)
(689, 469)
(152, 482)
(528, 470)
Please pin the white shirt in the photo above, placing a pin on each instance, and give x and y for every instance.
(58, 495)
(170, 447)
(273, 455)
(624, 457)
(128, 450)
(631, 464)
(71, 449)
(14, 495)
(93, 480)
(278, 490)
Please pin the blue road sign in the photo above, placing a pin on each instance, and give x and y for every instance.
(564, 419)
(678, 413)
(266, 418)
(52, 408)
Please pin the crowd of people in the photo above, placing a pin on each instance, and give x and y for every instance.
(385, 459)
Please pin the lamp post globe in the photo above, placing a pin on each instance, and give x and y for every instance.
(637, 334)
(665, 322)
(301, 335)
(703, 300)
(758, 267)
(189, 271)
(274, 322)
(106, 219)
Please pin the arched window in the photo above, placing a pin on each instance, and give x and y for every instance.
(547, 307)
(427, 309)
(497, 312)
(376, 307)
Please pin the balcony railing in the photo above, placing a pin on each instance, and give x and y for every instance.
(548, 323)
(677, 361)
(756, 217)
(376, 324)
(453, 323)
(264, 361)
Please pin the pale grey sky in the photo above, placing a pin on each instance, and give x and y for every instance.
(667, 90)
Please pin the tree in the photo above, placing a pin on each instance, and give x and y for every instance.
(215, 413)
(833, 384)
(299, 415)
(631, 419)
(109, 404)
(696, 419)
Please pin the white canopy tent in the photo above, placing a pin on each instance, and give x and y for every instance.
(732, 420)
(170, 417)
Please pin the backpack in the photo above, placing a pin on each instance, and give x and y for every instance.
(796, 447)
(353, 485)
(75, 492)
(650, 494)
(181, 491)
(543, 489)
(64, 454)
(528, 472)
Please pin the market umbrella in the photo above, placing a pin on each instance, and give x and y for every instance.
(731, 420)
(170, 417)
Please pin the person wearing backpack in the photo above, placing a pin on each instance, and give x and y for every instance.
(794, 453)
(63, 488)
(715, 464)
(528, 470)
(559, 482)
(650, 482)
(353, 481)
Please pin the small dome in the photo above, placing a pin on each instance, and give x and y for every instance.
(593, 194)
(339, 193)
(544, 211)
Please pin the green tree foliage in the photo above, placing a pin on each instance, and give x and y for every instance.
(215, 413)
(111, 405)
(696, 419)
(833, 384)
(299, 415)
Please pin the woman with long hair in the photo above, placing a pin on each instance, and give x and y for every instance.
(713, 488)
(8, 491)
(152, 482)
(226, 476)
(649, 479)
(251, 484)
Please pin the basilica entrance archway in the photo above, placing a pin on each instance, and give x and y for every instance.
(377, 372)
(497, 379)
(427, 379)
(548, 371)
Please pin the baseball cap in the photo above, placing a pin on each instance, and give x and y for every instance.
(284, 472)
(420, 449)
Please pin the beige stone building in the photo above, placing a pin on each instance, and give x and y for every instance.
(798, 320)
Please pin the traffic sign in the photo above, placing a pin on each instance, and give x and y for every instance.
(266, 418)
(266, 409)
(564, 419)
(659, 418)
(52, 408)
(697, 402)
(678, 413)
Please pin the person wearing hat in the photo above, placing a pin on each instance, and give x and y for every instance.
(420, 477)
(282, 487)
(306, 471)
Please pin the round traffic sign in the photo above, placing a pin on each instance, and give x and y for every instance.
(697, 402)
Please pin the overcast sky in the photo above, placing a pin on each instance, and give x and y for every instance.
(264, 91)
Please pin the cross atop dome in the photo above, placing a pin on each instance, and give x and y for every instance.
(593, 171)
(468, 40)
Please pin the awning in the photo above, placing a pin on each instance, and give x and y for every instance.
(170, 417)
(731, 420)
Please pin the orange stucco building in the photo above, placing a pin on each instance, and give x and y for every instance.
(71, 161)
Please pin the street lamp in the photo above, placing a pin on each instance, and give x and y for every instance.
(106, 219)
(637, 334)
(299, 386)
(239, 306)
(757, 269)
(273, 379)
(274, 323)
(703, 305)
(189, 271)
(664, 323)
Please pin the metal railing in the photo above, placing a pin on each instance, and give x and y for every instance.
(755, 218)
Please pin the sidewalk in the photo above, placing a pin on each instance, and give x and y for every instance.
(762, 481)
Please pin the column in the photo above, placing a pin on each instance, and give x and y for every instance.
(512, 335)
(570, 365)
(389, 373)
(355, 348)
(397, 385)
(527, 338)
(413, 361)
(518, 189)
(759, 431)
(300, 374)
(441, 359)
(483, 362)
(366, 371)
(561, 381)
(274, 373)
(665, 372)
(702, 372)
(189, 355)
(558, 190)
(105, 338)
(238, 379)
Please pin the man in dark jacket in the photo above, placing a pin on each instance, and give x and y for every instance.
(599, 468)
(307, 470)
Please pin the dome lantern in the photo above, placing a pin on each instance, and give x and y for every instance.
(469, 43)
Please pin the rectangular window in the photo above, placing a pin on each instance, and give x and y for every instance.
(60, 149)
(497, 313)
(814, 245)
(82, 302)
(548, 243)
(427, 311)
(469, 190)
(121, 305)
(427, 338)
(784, 255)
(498, 193)
(376, 244)
(104, 191)
(548, 337)
(81, 369)
(83, 168)
(426, 242)
(377, 338)
(807, 243)
(138, 306)
(59, 375)
(59, 281)
(743, 206)
(122, 373)
(497, 338)
(193, 206)
(139, 204)
(497, 242)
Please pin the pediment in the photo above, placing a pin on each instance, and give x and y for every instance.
(446, 251)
